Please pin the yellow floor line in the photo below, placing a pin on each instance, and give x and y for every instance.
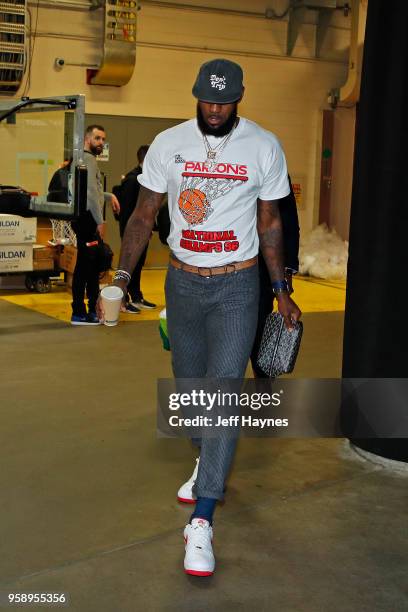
(312, 295)
(319, 295)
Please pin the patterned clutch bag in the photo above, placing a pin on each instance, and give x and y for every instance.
(279, 346)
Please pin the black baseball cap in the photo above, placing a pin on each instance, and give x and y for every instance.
(219, 81)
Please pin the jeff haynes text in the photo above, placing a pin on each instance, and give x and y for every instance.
(231, 421)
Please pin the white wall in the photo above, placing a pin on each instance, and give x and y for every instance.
(285, 95)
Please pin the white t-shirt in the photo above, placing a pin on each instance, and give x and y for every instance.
(213, 212)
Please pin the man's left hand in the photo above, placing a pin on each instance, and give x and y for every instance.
(115, 204)
(288, 309)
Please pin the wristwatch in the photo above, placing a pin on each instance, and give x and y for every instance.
(280, 287)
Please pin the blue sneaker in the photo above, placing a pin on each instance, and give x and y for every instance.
(93, 318)
(89, 319)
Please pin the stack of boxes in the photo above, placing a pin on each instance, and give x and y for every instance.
(18, 251)
(45, 258)
(17, 236)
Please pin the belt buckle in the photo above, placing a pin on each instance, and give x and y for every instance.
(227, 268)
(202, 273)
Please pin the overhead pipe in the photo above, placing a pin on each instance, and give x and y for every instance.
(349, 94)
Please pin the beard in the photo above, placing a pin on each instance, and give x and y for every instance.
(222, 130)
(96, 149)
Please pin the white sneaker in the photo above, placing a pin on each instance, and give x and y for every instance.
(185, 493)
(199, 559)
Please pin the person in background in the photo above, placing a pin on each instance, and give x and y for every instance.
(88, 229)
(128, 193)
(58, 187)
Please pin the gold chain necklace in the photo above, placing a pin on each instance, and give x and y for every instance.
(213, 153)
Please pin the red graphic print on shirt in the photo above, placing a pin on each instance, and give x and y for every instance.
(209, 242)
(201, 185)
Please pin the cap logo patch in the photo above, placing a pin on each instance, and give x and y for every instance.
(218, 82)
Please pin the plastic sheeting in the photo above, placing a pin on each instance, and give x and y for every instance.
(323, 254)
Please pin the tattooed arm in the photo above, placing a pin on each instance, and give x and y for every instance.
(139, 228)
(137, 233)
(271, 244)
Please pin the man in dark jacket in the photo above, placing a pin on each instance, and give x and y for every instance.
(290, 231)
(129, 191)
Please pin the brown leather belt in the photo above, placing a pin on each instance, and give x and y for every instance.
(227, 269)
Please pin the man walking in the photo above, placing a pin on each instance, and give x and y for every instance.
(224, 176)
(87, 229)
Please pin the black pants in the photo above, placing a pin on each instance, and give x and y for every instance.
(86, 274)
(134, 285)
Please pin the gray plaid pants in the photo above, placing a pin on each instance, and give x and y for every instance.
(211, 323)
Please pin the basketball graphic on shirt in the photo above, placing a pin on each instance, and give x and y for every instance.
(193, 206)
(201, 186)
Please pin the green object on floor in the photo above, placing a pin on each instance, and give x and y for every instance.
(163, 330)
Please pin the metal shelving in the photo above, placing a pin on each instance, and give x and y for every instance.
(12, 44)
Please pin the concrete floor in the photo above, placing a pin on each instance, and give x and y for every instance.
(88, 501)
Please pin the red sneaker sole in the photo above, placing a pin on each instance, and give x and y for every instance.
(186, 501)
(194, 573)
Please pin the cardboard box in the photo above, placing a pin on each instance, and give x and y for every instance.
(17, 230)
(67, 259)
(44, 264)
(41, 251)
(45, 257)
(16, 257)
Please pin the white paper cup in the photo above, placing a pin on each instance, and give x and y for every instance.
(111, 297)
